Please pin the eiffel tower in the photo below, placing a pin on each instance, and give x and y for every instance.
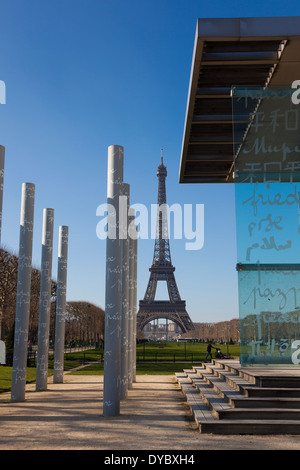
(163, 270)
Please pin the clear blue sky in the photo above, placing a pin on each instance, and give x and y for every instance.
(85, 74)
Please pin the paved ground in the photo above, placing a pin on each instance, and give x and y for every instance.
(154, 417)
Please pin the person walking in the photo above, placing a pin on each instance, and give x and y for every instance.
(208, 351)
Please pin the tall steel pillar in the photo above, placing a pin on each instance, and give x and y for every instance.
(113, 292)
(131, 231)
(134, 305)
(23, 294)
(45, 301)
(125, 292)
(2, 159)
(60, 317)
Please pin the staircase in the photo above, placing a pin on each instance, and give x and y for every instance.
(226, 398)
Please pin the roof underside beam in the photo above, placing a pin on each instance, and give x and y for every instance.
(228, 52)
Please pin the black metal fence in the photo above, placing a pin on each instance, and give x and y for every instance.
(167, 357)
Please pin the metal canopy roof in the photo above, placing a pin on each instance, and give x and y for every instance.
(231, 52)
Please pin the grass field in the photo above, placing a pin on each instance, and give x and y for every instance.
(6, 375)
(173, 351)
(152, 358)
(150, 368)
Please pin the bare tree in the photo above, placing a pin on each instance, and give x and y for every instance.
(84, 322)
(221, 332)
(8, 290)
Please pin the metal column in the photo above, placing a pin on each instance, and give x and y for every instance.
(2, 159)
(125, 293)
(113, 293)
(134, 305)
(59, 346)
(45, 301)
(131, 232)
(23, 294)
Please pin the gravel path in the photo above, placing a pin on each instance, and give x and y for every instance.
(69, 416)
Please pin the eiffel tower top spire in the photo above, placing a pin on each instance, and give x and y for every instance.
(162, 254)
(162, 174)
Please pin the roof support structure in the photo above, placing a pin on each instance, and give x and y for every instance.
(229, 52)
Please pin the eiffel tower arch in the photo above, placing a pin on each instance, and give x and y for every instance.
(162, 269)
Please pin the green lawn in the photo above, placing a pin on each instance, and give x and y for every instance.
(152, 358)
(6, 375)
(166, 357)
(149, 368)
(72, 360)
(175, 352)
(76, 359)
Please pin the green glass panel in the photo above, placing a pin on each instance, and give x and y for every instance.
(267, 189)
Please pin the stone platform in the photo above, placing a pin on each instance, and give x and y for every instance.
(226, 398)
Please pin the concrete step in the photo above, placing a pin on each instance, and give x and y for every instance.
(209, 422)
(249, 388)
(199, 409)
(287, 382)
(209, 396)
(226, 403)
(271, 392)
(275, 379)
(232, 379)
(265, 402)
(250, 427)
(234, 389)
(278, 414)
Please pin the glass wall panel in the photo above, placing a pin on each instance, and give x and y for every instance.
(267, 189)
